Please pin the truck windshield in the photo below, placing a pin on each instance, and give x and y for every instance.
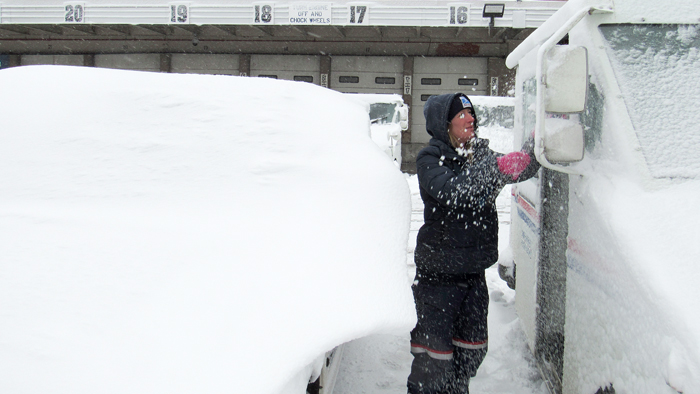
(380, 113)
(657, 70)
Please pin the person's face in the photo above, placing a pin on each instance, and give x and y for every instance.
(461, 127)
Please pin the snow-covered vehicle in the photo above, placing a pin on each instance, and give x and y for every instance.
(388, 117)
(179, 233)
(605, 241)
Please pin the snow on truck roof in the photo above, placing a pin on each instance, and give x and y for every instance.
(168, 233)
(371, 98)
(638, 11)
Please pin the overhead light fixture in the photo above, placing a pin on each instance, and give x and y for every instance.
(493, 11)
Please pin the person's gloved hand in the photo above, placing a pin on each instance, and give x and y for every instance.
(513, 163)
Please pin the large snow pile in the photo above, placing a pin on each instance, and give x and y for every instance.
(167, 233)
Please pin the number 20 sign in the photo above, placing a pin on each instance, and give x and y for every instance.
(74, 13)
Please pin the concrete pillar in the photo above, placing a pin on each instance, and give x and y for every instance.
(166, 61)
(89, 60)
(244, 65)
(500, 78)
(409, 150)
(15, 60)
(408, 92)
(325, 71)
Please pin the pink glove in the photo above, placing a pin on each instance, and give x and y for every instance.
(513, 163)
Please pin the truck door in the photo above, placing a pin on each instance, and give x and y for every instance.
(551, 276)
(539, 241)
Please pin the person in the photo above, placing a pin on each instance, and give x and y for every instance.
(460, 178)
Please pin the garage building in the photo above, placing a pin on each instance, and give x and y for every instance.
(412, 48)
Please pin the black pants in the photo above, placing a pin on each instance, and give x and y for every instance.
(451, 337)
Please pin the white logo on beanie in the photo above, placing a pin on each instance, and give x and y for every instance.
(465, 102)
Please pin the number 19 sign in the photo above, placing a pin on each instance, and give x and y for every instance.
(179, 13)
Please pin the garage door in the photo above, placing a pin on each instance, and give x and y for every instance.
(289, 67)
(63, 60)
(132, 61)
(367, 74)
(439, 75)
(187, 63)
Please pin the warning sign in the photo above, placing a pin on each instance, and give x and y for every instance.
(310, 14)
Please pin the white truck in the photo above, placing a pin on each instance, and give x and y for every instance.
(155, 234)
(604, 242)
(388, 116)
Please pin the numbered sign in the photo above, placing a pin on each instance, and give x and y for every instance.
(179, 13)
(263, 14)
(310, 14)
(494, 86)
(407, 84)
(358, 15)
(459, 15)
(74, 13)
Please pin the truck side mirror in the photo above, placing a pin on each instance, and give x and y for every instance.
(566, 79)
(563, 140)
(565, 70)
(403, 117)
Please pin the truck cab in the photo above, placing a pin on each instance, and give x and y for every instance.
(604, 240)
(388, 116)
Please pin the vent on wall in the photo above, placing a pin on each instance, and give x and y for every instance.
(431, 81)
(348, 79)
(468, 81)
(304, 78)
(385, 80)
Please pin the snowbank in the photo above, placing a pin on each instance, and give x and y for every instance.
(168, 233)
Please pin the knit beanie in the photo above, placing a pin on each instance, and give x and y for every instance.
(459, 103)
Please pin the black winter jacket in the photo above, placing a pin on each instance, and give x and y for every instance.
(459, 236)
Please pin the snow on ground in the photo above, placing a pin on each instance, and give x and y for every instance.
(380, 364)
